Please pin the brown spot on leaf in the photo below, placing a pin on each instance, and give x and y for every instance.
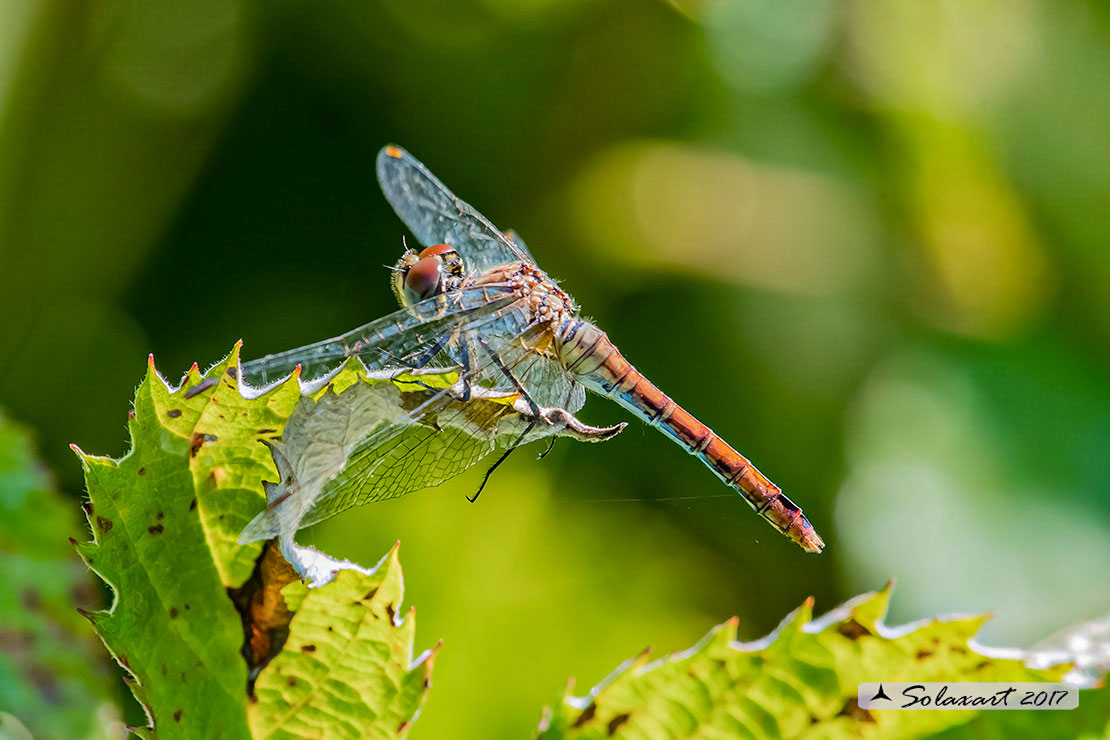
(104, 525)
(233, 372)
(291, 681)
(267, 430)
(88, 507)
(173, 612)
(156, 529)
(855, 711)
(923, 654)
(586, 716)
(200, 387)
(199, 440)
(370, 594)
(982, 664)
(177, 716)
(160, 515)
(390, 611)
(142, 471)
(308, 648)
(616, 722)
(403, 727)
(173, 413)
(192, 504)
(853, 630)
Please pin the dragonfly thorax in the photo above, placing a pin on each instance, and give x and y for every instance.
(542, 299)
(435, 270)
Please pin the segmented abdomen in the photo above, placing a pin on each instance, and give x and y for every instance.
(587, 352)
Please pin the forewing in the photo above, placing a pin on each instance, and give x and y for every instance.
(395, 340)
(436, 216)
(514, 237)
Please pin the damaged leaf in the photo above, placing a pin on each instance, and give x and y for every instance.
(347, 663)
(799, 682)
(186, 622)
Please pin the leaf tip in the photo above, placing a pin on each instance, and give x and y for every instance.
(80, 454)
(233, 358)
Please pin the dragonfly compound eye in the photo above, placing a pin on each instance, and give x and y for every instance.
(448, 257)
(422, 279)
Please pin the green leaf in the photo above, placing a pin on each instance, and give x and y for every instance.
(171, 625)
(799, 682)
(166, 518)
(53, 678)
(347, 665)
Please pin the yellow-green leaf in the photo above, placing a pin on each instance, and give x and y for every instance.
(799, 683)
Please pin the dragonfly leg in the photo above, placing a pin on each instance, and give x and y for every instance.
(547, 450)
(434, 350)
(423, 360)
(535, 407)
(467, 369)
(551, 442)
(500, 460)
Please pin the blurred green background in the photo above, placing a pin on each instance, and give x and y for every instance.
(867, 243)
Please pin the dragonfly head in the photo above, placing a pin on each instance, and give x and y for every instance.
(422, 275)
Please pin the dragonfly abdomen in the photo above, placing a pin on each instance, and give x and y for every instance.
(587, 351)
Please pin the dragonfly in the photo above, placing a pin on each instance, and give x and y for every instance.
(475, 299)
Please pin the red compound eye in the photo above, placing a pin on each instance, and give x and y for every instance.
(436, 249)
(422, 279)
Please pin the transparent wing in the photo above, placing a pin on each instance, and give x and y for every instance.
(393, 340)
(550, 384)
(440, 438)
(541, 376)
(436, 216)
(514, 237)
